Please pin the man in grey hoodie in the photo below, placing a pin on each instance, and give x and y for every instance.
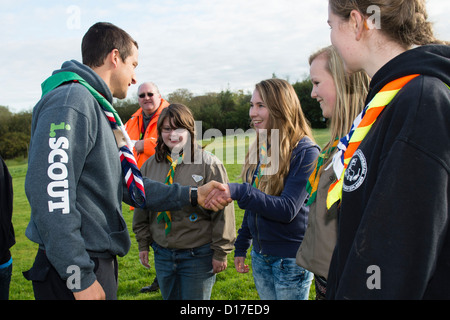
(74, 182)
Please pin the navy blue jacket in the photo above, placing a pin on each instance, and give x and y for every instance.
(276, 224)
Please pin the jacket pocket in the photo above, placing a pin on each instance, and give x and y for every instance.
(120, 242)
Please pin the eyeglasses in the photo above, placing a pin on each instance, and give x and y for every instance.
(149, 94)
(168, 129)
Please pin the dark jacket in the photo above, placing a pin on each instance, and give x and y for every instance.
(276, 224)
(393, 230)
(7, 238)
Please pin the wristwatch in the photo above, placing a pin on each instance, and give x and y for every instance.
(194, 196)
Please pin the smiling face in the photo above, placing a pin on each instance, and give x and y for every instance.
(149, 98)
(259, 113)
(174, 138)
(324, 88)
(124, 74)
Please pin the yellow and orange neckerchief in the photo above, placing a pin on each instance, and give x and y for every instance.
(361, 126)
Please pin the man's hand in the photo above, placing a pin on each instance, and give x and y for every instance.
(204, 191)
(94, 292)
(139, 146)
(219, 266)
(143, 257)
(218, 196)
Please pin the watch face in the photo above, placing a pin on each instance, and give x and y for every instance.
(194, 196)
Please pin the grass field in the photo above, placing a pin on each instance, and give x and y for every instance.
(230, 285)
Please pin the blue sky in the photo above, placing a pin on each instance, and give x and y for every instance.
(201, 45)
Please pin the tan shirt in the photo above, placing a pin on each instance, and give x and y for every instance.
(192, 226)
(318, 244)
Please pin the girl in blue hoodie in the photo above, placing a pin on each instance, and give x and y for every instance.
(273, 194)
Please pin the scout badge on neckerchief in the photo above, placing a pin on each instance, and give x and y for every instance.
(165, 215)
(313, 182)
(131, 173)
(361, 126)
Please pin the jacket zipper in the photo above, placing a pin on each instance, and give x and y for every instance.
(256, 217)
(257, 233)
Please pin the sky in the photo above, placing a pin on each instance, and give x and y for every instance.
(200, 45)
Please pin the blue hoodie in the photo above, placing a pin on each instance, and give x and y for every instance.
(277, 224)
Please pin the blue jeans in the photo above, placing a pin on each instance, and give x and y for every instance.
(184, 274)
(279, 278)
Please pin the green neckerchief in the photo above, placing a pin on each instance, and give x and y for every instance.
(132, 175)
(61, 77)
(313, 182)
(165, 215)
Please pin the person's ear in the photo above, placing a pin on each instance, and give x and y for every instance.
(113, 57)
(358, 23)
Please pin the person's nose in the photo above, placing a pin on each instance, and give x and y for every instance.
(252, 112)
(313, 93)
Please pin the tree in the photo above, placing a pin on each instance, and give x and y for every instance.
(5, 116)
(14, 144)
(183, 96)
(15, 131)
(126, 108)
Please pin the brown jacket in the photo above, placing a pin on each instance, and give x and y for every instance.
(318, 244)
(192, 226)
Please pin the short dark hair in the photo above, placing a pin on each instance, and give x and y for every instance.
(101, 39)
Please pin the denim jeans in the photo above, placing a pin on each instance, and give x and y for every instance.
(184, 274)
(279, 278)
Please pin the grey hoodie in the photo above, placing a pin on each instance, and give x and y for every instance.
(74, 182)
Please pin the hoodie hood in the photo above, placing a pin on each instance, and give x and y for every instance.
(429, 60)
(89, 75)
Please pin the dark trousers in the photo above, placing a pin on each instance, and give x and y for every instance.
(48, 285)
(5, 280)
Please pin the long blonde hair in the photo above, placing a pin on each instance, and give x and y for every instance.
(286, 116)
(351, 92)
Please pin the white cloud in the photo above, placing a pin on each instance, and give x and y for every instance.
(200, 45)
(233, 43)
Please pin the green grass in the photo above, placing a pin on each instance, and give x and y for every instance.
(230, 285)
(321, 136)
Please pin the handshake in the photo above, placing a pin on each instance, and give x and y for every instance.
(214, 195)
